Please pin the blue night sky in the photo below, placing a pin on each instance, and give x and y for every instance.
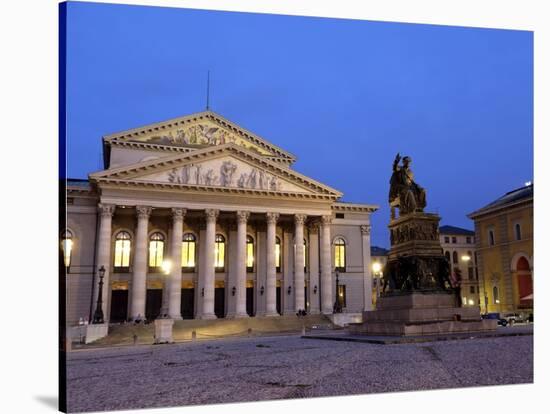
(344, 96)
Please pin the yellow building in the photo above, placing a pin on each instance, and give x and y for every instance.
(504, 248)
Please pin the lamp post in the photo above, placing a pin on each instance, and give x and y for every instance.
(98, 314)
(337, 304)
(376, 270)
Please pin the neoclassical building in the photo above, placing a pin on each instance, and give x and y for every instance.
(204, 219)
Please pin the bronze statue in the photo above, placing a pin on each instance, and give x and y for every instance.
(404, 192)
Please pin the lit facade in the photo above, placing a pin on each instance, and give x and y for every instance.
(504, 245)
(459, 248)
(205, 219)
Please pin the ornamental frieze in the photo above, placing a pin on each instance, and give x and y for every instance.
(225, 176)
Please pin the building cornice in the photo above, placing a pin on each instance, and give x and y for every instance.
(360, 208)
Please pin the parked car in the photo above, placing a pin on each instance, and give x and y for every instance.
(513, 318)
(496, 315)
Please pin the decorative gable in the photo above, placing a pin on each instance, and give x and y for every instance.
(205, 129)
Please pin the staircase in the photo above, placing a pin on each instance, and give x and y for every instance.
(123, 334)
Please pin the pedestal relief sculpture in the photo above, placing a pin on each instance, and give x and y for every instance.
(417, 295)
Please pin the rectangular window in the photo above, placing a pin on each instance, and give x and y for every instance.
(446, 239)
(491, 238)
(249, 257)
(156, 250)
(454, 239)
(220, 255)
(122, 253)
(472, 289)
(188, 254)
(340, 215)
(471, 273)
(468, 239)
(342, 295)
(340, 257)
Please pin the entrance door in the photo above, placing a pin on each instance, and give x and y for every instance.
(187, 303)
(153, 304)
(278, 300)
(219, 302)
(250, 301)
(119, 305)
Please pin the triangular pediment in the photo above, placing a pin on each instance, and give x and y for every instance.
(198, 131)
(227, 166)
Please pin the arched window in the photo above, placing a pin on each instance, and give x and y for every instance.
(278, 254)
(219, 253)
(518, 231)
(340, 254)
(249, 254)
(188, 249)
(496, 299)
(67, 246)
(156, 250)
(448, 256)
(455, 257)
(123, 242)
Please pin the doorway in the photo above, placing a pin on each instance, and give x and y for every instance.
(188, 303)
(153, 304)
(119, 305)
(219, 301)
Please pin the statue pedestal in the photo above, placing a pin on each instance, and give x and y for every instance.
(418, 313)
(163, 331)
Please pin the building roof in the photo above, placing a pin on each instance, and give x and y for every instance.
(378, 251)
(78, 182)
(455, 231)
(516, 196)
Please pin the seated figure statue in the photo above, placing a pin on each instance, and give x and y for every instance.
(404, 192)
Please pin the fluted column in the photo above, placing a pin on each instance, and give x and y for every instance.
(103, 257)
(313, 287)
(242, 218)
(208, 272)
(299, 262)
(139, 277)
(174, 290)
(367, 276)
(271, 271)
(326, 266)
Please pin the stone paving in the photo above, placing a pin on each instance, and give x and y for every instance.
(252, 369)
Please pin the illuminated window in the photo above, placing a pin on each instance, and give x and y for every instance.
(122, 250)
(249, 254)
(219, 253)
(278, 254)
(67, 246)
(340, 254)
(342, 295)
(156, 250)
(496, 299)
(188, 249)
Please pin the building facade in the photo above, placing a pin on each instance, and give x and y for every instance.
(379, 258)
(199, 218)
(459, 248)
(504, 246)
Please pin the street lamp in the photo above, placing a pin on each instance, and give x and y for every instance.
(377, 269)
(337, 304)
(98, 314)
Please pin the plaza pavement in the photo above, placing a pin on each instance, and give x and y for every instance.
(266, 368)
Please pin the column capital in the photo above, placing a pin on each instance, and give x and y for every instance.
(211, 214)
(178, 213)
(299, 219)
(326, 220)
(106, 210)
(272, 218)
(143, 212)
(365, 229)
(242, 216)
(313, 226)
